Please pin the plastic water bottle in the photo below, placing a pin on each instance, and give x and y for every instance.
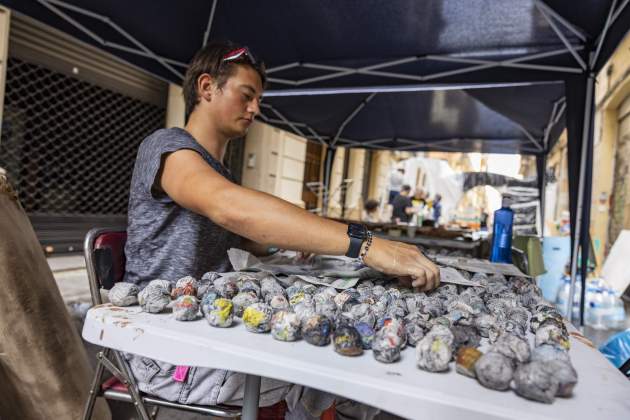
(502, 234)
(609, 305)
(618, 313)
(562, 300)
(597, 303)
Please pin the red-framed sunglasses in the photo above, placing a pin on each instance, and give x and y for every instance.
(238, 53)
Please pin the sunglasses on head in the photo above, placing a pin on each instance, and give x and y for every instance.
(238, 53)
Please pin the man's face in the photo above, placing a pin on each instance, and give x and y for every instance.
(238, 102)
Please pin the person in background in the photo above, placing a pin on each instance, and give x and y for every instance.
(483, 220)
(370, 212)
(403, 208)
(395, 184)
(419, 198)
(437, 209)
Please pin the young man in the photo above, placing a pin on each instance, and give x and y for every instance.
(403, 208)
(185, 212)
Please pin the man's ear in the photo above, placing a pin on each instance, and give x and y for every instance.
(205, 86)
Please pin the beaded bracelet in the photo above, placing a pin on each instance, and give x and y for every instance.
(367, 247)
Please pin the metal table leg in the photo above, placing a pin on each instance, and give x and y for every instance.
(250, 397)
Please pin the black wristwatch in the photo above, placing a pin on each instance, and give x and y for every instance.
(357, 233)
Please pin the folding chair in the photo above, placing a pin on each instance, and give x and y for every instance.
(105, 262)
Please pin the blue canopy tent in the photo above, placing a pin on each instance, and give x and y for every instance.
(475, 75)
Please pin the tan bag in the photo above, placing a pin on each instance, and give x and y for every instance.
(44, 370)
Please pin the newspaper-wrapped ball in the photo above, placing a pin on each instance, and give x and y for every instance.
(204, 289)
(378, 291)
(433, 306)
(548, 352)
(344, 318)
(207, 301)
(124, 294)
(154, 298)
(278, 302)
(296, 287)
(385, 346)
(494, 371)
(296, 298)
(415, 328)
(206, 283)
(513, 327)
(257, 317)
(285, 326)
(249, 286)
(465, 361)
(434, 351)
(220, 313)
(185, 308)
(269, 286)
(535, 382)
(242, 300)
(309, 289)
(347, 299)
(542, 314)
(551, 332)
(164, 284)
(325, 305)
(226, 287)
(316, 330)
(347, 341)
(485, 323)
(566, 375)
(519, 315)
(465, 336)
(397, 328)
(329, 291)
(513, 347)
(367, 334)
(186, 286)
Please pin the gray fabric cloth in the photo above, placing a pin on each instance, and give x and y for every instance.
(165, 240)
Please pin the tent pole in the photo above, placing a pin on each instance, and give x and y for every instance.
(541, 166)
(586, 137)
(329, 158)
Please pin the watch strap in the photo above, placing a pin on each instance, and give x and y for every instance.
(354, 249)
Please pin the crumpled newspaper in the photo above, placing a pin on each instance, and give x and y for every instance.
(335, 271)
(479, 266)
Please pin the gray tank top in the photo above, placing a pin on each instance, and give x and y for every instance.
(165, 240)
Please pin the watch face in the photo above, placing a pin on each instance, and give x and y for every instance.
(356, 230)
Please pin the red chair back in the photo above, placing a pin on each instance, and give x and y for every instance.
(104, 251)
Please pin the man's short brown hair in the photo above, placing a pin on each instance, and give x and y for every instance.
(209, 60)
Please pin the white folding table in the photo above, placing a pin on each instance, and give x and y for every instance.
(401, 388)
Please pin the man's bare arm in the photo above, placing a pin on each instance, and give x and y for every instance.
(255, 248)
(265, 219)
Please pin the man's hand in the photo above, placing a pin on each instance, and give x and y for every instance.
(404, 260)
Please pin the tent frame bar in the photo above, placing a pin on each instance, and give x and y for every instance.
(55, 6)
(350, 117)
(577, 31)
(206, 34)
(563, 38)
(517, 62)
(51, 5)
(480, 64)
(604, 32)
(421, 87)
